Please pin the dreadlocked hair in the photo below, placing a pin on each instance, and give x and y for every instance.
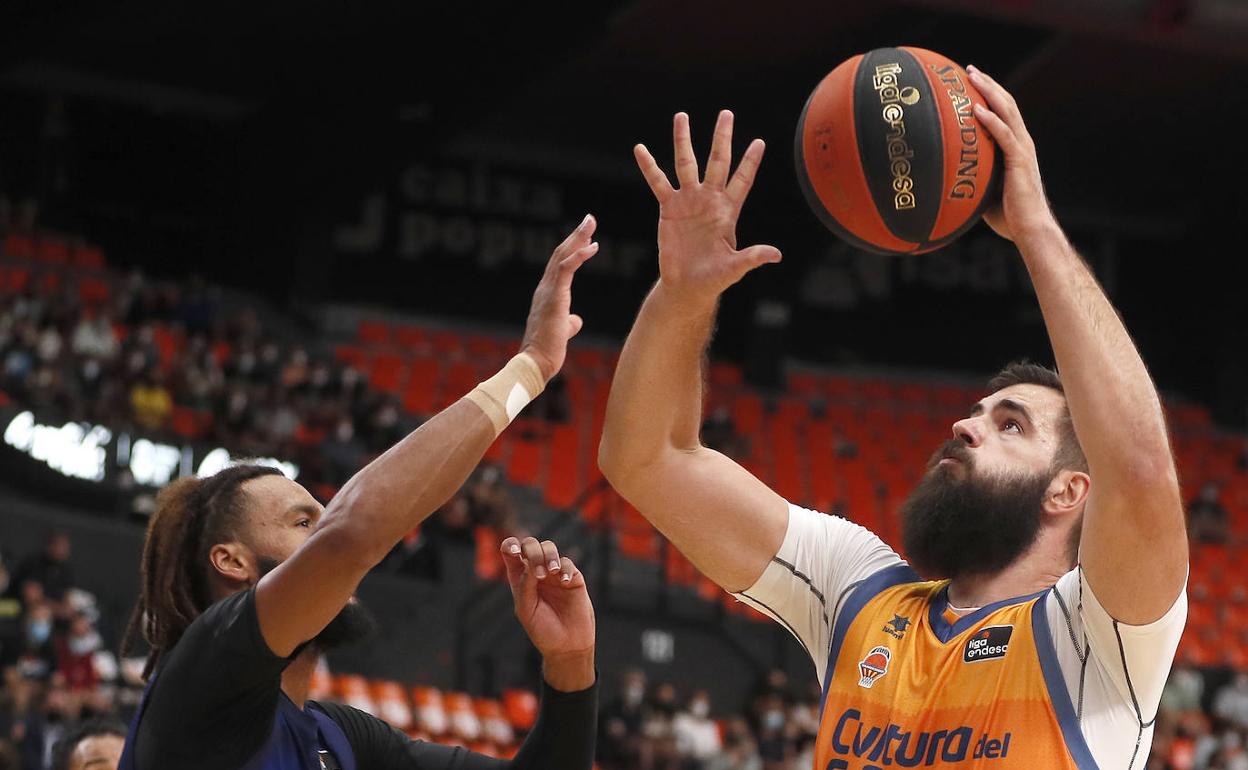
(191, 516)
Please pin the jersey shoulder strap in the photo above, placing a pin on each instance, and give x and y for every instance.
(334, 737)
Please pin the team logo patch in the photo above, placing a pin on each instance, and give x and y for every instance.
(987, 644)
(896, 627)
(874, 666)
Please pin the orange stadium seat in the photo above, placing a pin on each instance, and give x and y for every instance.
(372, 332)
(353, 690)
(53, 250)
(19, 246)
(392, 703)
(446, 343)
(92, 290)
(88, 256)
(463, 719)
(413, 337)
(431, 716)
(564, 477)
(587, 361)
(386, 372)
(351, 355)
(485, 349)
(494, 725)
(421, 387)
(488, 564)
(461, 378)
(17, 279)
(189, 423)
(321, 685)
(524, 461)
(520, 706)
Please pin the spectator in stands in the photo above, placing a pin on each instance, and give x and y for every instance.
(75, 654)
(658, 730)
(344, 454)
(150, 402)
(697, 736)
(1207, 518)
(49, 567)
(775, 741)
(1183, 690)
(488, 500)
(1231, 702)
(38, 658)
(94, 745)
(619, 742)
(94, 336)
(740, 752)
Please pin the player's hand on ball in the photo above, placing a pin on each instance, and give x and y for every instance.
(551, 320)
(698, 254)
(551, 599)
(1023, 210)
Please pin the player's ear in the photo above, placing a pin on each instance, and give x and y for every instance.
(1067, 492)
(233, 562)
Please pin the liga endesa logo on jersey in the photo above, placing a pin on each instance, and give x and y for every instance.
(987, 644)
(874, 666)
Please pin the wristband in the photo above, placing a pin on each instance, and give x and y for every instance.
(502, 396)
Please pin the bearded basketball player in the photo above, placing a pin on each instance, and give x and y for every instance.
(1035, 622)
(246, 579)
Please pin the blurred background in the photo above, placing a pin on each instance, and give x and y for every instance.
(295, 231)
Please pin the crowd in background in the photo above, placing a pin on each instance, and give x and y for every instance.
(59, 671)
(151, 347)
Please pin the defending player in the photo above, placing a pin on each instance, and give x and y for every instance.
(1053, 514)
(246, 578)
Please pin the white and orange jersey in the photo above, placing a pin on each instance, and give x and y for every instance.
(1041, 681)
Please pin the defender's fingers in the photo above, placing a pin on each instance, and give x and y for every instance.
(550, 553)
(576, 239)
(569, 575)
(534, 558)
(655, 178)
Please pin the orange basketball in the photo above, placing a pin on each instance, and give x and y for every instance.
(890, 155)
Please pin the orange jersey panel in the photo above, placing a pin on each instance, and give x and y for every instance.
(905, 688)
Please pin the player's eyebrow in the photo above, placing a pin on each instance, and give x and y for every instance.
(1005, 403)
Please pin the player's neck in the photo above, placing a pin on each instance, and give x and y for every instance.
(1029, 574)
(297, 678)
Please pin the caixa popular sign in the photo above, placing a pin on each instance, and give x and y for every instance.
(96, 453)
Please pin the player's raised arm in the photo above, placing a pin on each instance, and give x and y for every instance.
(1134, 544)
(726, 521)
(413, 478)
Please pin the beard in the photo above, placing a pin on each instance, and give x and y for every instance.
(354, 622)
(954, 527)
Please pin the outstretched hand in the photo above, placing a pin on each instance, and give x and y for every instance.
(1023, 209)
(551, 321)
(698, 254)
(551, 599)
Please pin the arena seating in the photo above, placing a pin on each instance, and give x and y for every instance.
(491, 726)
(851, 444)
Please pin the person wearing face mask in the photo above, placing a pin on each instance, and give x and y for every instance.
(659, 747)
(620, 728)
(697, 737)
(38, 658)
(75, 654)
(773, 737)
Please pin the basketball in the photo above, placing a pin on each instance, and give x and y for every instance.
(890, 155)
